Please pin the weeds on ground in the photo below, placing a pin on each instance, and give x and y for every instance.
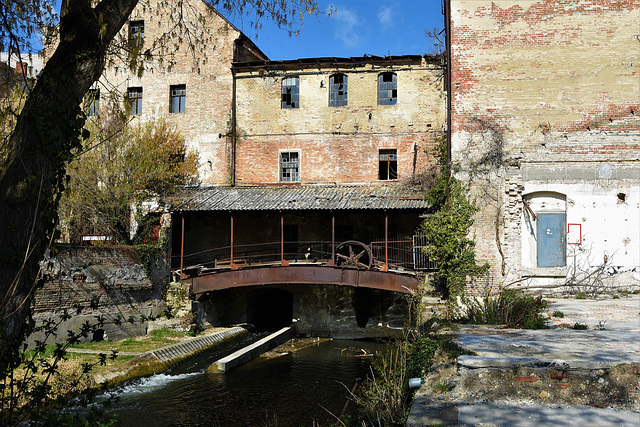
(384, 398)
(580, 326)
(509, 307)
(558, 314)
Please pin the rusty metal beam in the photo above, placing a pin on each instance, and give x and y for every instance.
(304, 274)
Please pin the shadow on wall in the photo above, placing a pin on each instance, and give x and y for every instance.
(370, 304)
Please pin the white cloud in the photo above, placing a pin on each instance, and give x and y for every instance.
(385, 17)
(347, 23)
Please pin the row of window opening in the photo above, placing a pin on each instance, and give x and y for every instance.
(339, 90)
(290, 165)
(177, 100)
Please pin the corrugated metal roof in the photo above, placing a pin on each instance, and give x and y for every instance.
(283, 198)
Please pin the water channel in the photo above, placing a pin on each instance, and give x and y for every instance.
(289, 390)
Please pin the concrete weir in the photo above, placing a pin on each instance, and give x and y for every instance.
(252, 351)
(156, 361)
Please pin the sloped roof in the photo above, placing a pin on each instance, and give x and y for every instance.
(300, 197)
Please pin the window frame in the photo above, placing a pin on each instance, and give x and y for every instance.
(181, 97)
(290, 93)
(136, 32)
(338, 91)
(387, 90)
(293, 177)
(92, 100)
(135, 101)
(387, 157)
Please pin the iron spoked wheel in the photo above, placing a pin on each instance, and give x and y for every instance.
(354, 254)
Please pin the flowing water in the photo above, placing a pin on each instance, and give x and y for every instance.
(296, 389)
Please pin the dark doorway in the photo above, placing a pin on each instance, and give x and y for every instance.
(270, 309)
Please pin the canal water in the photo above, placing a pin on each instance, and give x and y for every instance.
(302, 388)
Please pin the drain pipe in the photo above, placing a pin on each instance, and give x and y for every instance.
(233, 128)
(448, 44)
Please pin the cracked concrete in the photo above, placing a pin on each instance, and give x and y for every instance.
(556, 376)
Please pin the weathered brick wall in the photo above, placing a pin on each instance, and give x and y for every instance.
(338, 144)
(109, 281)
(545, 97)
(202, 63)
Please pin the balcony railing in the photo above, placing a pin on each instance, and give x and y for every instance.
(397, 254)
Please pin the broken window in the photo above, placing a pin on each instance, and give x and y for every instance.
(388, 164)
(338, 90)
(387, 89)
(136, 32)
(291, 92)
(135, 98)
(289, 166)
(178, 98)
(92, 101)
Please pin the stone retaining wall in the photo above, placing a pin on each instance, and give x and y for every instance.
(113, 282)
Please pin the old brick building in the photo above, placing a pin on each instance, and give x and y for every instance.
(545, 125)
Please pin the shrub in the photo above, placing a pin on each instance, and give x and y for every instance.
(509, 307)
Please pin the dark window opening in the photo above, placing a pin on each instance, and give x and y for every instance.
(178, 98)
(136, 32)
(338, 90)
(291, 92)
(135, 98)
(290, 166)
(387, 89)
(93, 102)
(388, 165)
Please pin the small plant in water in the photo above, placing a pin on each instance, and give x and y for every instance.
(580, 326)
(558, 314)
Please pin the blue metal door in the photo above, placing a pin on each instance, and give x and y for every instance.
(551, 238)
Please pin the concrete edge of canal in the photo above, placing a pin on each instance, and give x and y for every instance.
(159, 360)
(252, 351)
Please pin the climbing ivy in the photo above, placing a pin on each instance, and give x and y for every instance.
(447, 231)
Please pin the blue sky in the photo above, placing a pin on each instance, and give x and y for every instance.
(358, 27)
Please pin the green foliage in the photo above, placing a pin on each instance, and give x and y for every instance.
(581, 295)
(509, 307)
(385, 398)
(559, 314)
(37, 387)
(123, 163)
(447, 232)
(580, 326)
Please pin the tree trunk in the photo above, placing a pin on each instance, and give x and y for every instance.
(47, 132)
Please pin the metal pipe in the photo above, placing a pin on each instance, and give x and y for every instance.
(283, 263)
(233, 124)
(386, 243)
(182, 249)
(231, 263)
(333, 240)
(448, 45)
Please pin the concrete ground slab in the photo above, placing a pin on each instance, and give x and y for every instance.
(486, 414)
(529, 369)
